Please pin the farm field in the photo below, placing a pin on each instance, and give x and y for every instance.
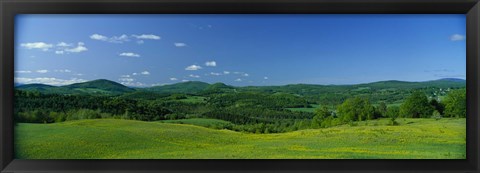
(201, 87)
(204, 122)
(128, 139)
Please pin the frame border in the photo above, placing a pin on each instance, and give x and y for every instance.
(9, 8)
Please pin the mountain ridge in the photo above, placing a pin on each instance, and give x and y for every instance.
(104, 86)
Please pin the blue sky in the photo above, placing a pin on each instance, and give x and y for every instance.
(240, 50)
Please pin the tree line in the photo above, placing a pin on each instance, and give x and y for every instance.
(417, 105)
(247, 111)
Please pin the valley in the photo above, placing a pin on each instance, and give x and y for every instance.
(104, 119)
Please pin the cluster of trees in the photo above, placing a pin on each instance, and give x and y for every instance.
(253, 111)
(33, 107)
(249, 112)
(417, 105)
(277, 101)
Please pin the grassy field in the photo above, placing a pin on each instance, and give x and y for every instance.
(122, 139)
(204, 122)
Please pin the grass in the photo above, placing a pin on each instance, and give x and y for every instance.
(204, 122)
(127, 139)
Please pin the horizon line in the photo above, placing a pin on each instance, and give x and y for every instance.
(22, 84)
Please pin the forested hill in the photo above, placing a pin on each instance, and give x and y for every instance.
(106, 87)
(100, 87)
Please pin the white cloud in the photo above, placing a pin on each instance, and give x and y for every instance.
(134, 84)
(61, 48)
(23, 71)
(457, 37)
(265, 77)
(129, 54)
(241, 73)
(134, 74)
(98, 37)
(211, 63)
(161, 84)
(226, 72)
(78, 74)
(147, 37)
(184, 80)
(119, 39)
(180, 44)
(37, 45)
(194, 76)
(113, 39)
(238, 80)
(48, 81)
(125, 38)
(201, 27)
(126, 79)
(215, 74)
(173, 79)
(42, 71)
(63, 71)
(145, 73)
(63, 44)
(193, 67)
(80, 48)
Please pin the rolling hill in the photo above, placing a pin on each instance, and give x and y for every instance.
(189, 87)
(107, 87)
(100, 86)
(127, 139)
(36, 87)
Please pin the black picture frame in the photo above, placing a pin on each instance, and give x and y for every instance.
(10, 8)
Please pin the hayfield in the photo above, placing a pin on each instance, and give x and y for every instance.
(127, 139)
(204, 122)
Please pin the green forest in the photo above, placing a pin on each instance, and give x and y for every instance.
(259, 110)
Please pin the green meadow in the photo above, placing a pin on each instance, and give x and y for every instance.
(412, 138)
(102, 119)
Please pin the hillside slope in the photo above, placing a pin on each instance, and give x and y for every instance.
(122, 139)
(100, 86)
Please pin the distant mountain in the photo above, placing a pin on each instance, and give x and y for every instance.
(106, 87)
(189, 87)
(100, 86)
(35, 87)
(441, 83)
(452, 80)
(219, 85)
(219, 88)
(312, 89)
